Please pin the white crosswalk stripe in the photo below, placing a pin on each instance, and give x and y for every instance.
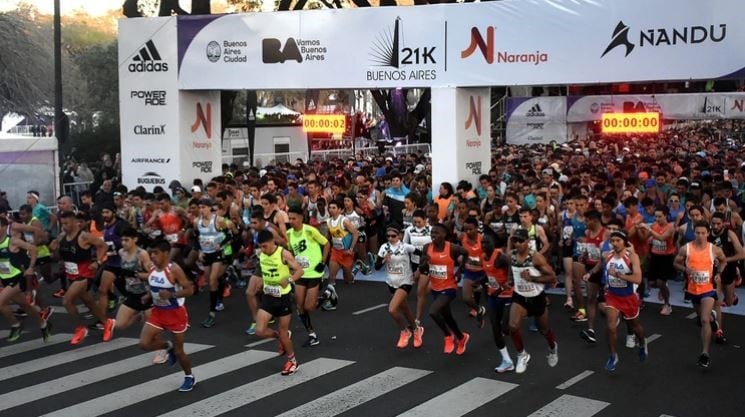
(89, 376)
(21, 347)
(570, 406)
(462, 399)
(256, 390)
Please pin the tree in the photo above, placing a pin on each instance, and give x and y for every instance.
(140, 8)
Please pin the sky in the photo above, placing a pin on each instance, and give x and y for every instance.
(93, 7)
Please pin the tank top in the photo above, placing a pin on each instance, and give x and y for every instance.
(408, 219)
(77, 260)
(567, 230)
(210, 239)
(130, 268)
(398, 269)
(591, 247)
(622, 265)
(511, 220)
(162, 280)
(689, 235)
(113, 243)
(441, 269)
(306, 249)
(725, 243)
(341, 239)
(522, 287)
(172, 226)
(473, 263)
(496, 277)
(418, 238)
(42, 251)
(662, 247)
(273, 271)
(442, 206)
(8, 268)
(357, 221)
(701, 262)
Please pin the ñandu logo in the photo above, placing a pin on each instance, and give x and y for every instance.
(474, 114)
(204, 118)
(488, 50)
(670, 36)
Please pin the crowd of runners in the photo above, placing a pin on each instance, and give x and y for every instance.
(612, 217)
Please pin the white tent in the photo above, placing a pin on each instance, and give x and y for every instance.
(29, 163)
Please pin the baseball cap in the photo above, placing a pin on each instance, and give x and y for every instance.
(196, 189)
(521, 234)
(418, 169)
(548, 171)
(650, 183)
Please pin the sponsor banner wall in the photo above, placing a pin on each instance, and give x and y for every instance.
(536, 120)
(148, 101)
(465, 45)
(672, 106)
(461, 145)
(200, 140)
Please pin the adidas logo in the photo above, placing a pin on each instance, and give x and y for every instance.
(148, 60)
(535, 111)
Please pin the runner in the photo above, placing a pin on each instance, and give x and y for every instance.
(589, 257)
(75, 250)
(473, 273)
(726, 240)
(499, 293)
(311, 249)
(275, 266)
(171, 221)
(696, 259)
(662, 254)
(529, 274)
(438, 262)
(418, 235)
(395, 255)
(344, 238)
(34, 233)
(112, 236)
(210, 231)
(258, 224)
(168, 287)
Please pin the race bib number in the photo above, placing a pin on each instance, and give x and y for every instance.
(338, 243)
(593, 252)
(493, 283)
(172, 237)
(438, 271)
(474, 261)
(135, 285)
(395, 269)
(5, 268)
(567, 232)
(207, 243)
(110, 249)
(303, 261)
(71, 268)
(659, 245)
(700, 277)
(273, 290)
(617, 282)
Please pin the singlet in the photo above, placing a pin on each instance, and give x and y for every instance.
(725, 243)
(408, 219)
(567, 230)
(77, 260)
(162, 280)
(522, 287)
(210, 239)
(496, 277)
(172, 227)
(617, 286)
(662, 247)
(42, 251)
(591, 247)
(8, 268)
(273, 271)
(417, 238)
(701, 262)
(306, 246)
(443, 204)
(510, 220)
(130, 268)
(473, 263)
(357, 221)
(398, 269)
(534, 244)
(441, 268)
(113, 242)
(341, 239)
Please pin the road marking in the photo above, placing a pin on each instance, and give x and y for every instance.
(260, 342)
(80, 379)
(570, 406)
(253, 391)
(571, 381)
(64, 357)
(692, 316)
(462, 399)
(358, 393)
(363, 311)
(653, 337)
(15, 349)
(666, 415)
(169, 383)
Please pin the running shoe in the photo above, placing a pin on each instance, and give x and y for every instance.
(480, 316)
(59, 293)
(289, 368)
(666, 310)
(327, 306)
(703, 360)
(371, 261)
(418, 334)
(46, 332)
(209, 321)
(80, 333)
(226, 291)
(219, 306)
(579, 317)
(449, 345)
(188, 385)
(522, 362)
(643, 351)
(505, 366)
(20, 313)
(171, 356)
(588, 335)
(357, 267)
(630, 341)
(462, 344)
(312, 341)
(719, 337)
(403, 339)
(46, 313)
(108, 329)
(15, 333)
(553, 355)
(251, 329)
(160, 357)
(610, 365)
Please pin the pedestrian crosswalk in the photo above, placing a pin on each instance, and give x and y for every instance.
(372, 388)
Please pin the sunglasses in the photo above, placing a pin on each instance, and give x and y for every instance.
(392, 235)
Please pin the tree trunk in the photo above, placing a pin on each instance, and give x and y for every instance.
(129, 9)
(167, 7)
(200, 7)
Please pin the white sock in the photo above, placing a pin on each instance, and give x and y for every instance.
(505, 354)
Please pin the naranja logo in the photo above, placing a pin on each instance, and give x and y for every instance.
(204, 119)
(474, 114)
(477, 41)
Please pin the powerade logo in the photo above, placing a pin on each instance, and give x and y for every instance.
(148, 60)
(150, 97)
(151, 178)
(653, 37)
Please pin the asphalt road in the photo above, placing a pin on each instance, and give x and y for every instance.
(357, 371)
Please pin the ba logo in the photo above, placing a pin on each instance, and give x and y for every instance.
(474, 114)
(477, 41)
(204, 118)
(272, 52)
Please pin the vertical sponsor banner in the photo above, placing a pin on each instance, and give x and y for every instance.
(536, 120)
(201, 149)
(461, 139)
(251, 106)
(148, 101)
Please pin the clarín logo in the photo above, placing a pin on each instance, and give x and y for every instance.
(653, 37)
(474, 114)
(148, 60)
(488, 50)
(204, 119)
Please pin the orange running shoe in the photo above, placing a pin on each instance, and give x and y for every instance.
(108, 329)
(403, 340)
(226, 291)
(80, 333)
(449, 345)
(462, 344)
(418, 334)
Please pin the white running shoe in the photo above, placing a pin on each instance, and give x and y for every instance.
(505, 366)
(630, 341)
(553, 355)
(522, 362)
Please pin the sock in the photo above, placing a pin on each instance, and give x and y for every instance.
(17, 325)
(305, 319)
(44, 326)
(312, 334)
(551, 339)
(517, 340)
(418, 323)
(291, 357)
(505, 354)
(220, 289)
(213, 300)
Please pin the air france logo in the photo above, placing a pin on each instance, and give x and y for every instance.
(474, 114)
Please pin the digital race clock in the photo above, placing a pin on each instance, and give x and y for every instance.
(649, 122)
